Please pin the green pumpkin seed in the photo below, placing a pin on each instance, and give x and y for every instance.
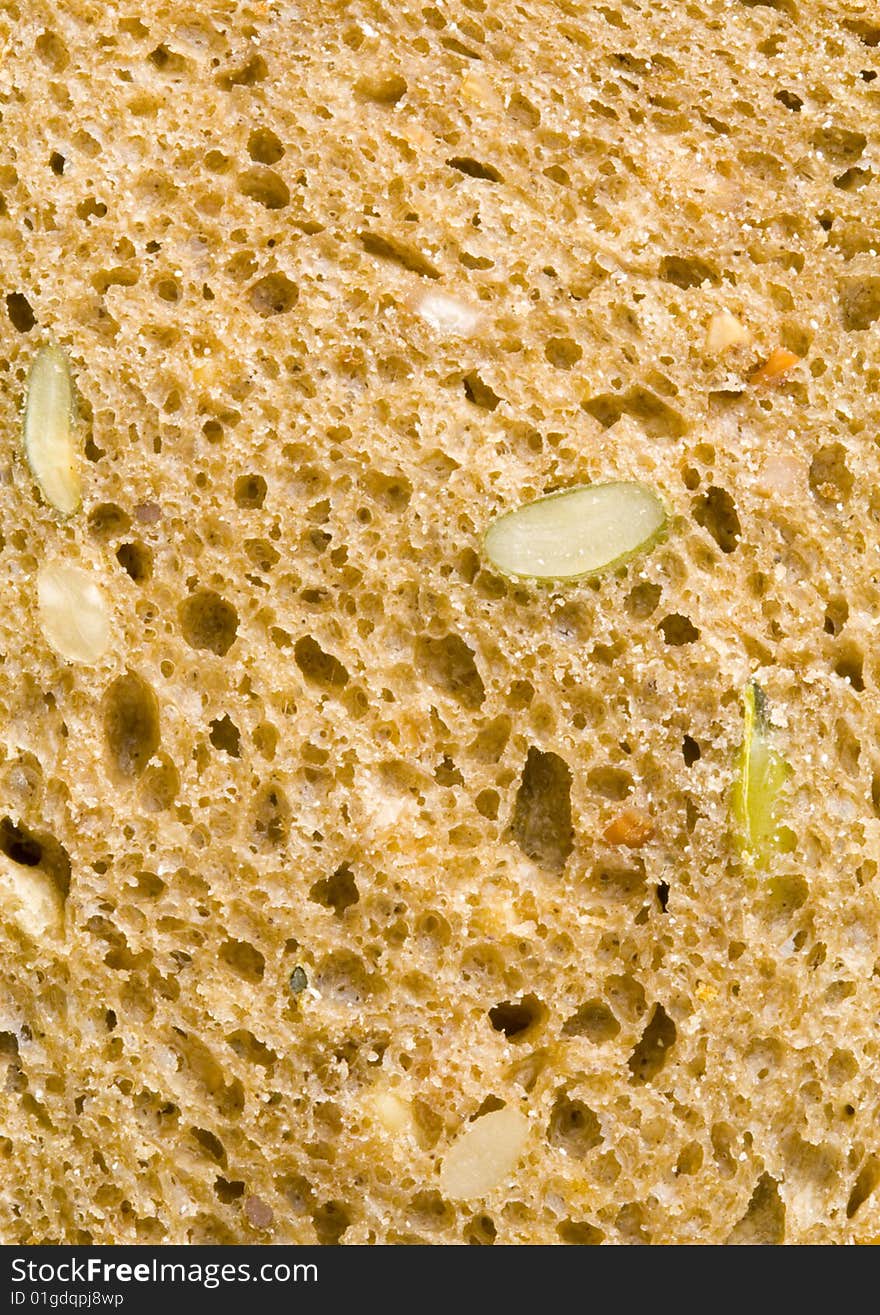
(576, 532)
(48, 430)
(759, 788)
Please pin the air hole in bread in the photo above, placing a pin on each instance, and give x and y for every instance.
(690, 1159)
(225, 736)
(841, 145)
(480, 1231)
(563, 352)
(575, 1233)
(716, 513)
(875, 793)
(298, 1193)
(458, 47)
(251, 1050)
(724, 1140)
(557, 174)
(250, 492)
(391, 491)
(474, 169)
(523, 111)
(626, 995)
(108, 521)
(118, 276)
(34, 849)
(518, 1019)
(786, 893)
(136, 559)
(573, 1127)
(853, 238)
(241, 266)
(449, 664)
(652, 1051)
(208, 622)
(447, 774)
(763, 1223)
(52, 51)
(264, 186)
(610, 782)
(261, 554)
(864, 1186)
(526, 1071)
(593, 1020)
(482, 963)
(434, 930)
(18, 308)
(210, 1144)
(254, 70)
(228, 1191)
(842, 1067)
(477, 391)
(836, 615)
(471, 261)
(384, 88)
(867, 33)
(264, 146)
(658, 419)
(19, 844)
(790, 100)
(274, 294)
(207, 1230)
(167, 61)
(331, 1221)
(318, 667)
(849, 665)
(678, 630)
(337, 892)
(630, 1223)
(159, 785)
(148, 884)
(244, 959)
(131, 724)
(429, 1212)
(848, 748)
(642, 599)
(851, 179)
(542, 820)
(619, 882)
(399, 253)
(690, 751)
(271, 816)
(859, 301)
(687, 271)
(213, 431)
(167, 289)
(487, 804)
(831, 480)
(344, 979)
(199, 1063)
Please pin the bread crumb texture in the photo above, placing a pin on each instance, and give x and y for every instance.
(339, 843)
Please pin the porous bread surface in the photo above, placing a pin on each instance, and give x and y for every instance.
(327, 736)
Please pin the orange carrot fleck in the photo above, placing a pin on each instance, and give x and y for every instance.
(632, 828)
(777, 364)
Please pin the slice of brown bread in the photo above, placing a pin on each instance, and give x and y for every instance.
(322, 863)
